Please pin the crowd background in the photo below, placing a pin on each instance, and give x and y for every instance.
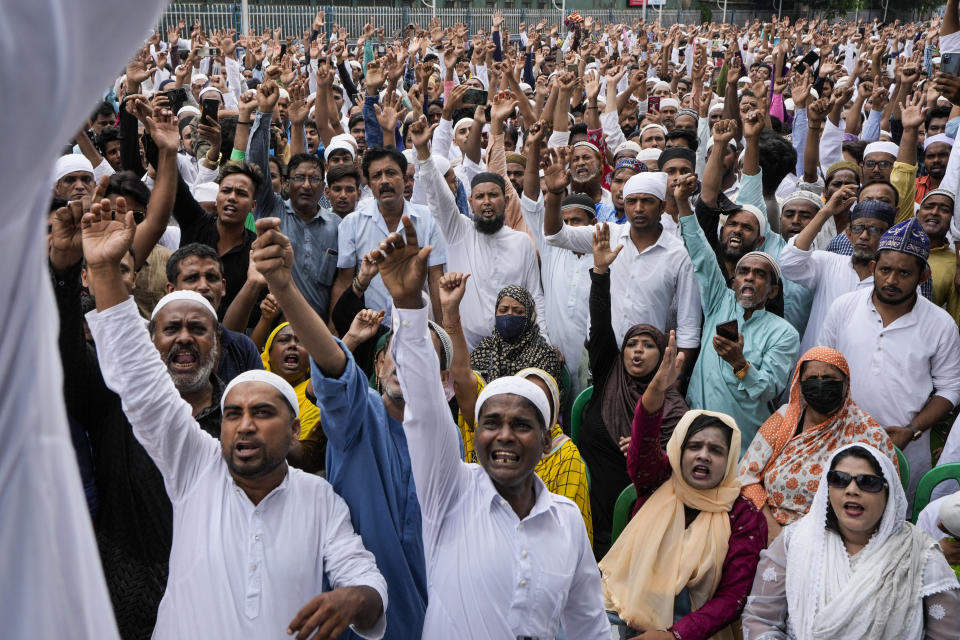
(601, 198)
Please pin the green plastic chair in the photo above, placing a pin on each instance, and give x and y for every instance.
(904, 467)
(577, 414)
(949, 471)
(621, 511)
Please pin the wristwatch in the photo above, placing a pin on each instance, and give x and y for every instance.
(741, 374)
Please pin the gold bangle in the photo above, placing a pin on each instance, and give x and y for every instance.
(742, 373)
(217, 161)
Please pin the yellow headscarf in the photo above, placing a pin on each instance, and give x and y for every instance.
(657, 556)
(309, 413)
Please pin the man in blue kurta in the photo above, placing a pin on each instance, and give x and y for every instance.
(743, 378)
(367, 460)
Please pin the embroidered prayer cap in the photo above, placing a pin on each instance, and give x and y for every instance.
(446, 344)
(774, 267)
(874, 209)
(843, 164)
(939, 192)
(272, 379)
(629, 163)
(580, 201)
(907, 237)
(803, 194)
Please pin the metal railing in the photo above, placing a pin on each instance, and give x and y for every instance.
(295, 19)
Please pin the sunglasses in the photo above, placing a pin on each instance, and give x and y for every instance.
(866, 481)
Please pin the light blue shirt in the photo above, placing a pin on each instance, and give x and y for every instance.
(770, 345)
(363, 230)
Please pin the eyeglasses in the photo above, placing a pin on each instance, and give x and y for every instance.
(874, 231)
(300, 179)
(867, 481)
(872, 164)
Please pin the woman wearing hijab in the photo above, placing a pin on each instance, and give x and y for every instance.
(683, 566)
(284, 355)
(516, 342)
(780, 472)
(852, 567)
(620, 376)
(561, 469)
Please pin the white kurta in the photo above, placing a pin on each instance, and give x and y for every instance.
(54, 583)
(490, 574)
(828, 275)
(237, 570)
(656, 286)
(566, 288)
(493, 261)
(895, 369)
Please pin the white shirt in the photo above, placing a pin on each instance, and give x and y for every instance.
(237, 570)
(950, 453)
(493, 261)
(656, 286)
(490, 575)
(54, 581)
(829, 275)
(566, 287)
(895, 369)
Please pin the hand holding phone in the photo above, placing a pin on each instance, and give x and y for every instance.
(211, 108)
(729, 330)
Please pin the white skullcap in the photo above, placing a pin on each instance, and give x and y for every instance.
(442, 164)
(743, 80)
(627, 145)
(206, 90)
(766, 256)
(716, 106)
(646, 155)
(761, 219)
(69, 164)
(336, 146)
(883, 132)
(517, 386)
(653, 183)
(283, 94)
(940, 137)
(950, 514)
(461, 122)
(814, 94)
(346, 137)
(660, 83)
(803, 194)
(788, 104)
(732, 143)
(189, 296)
(206, 192)
(525, 87)
(188, 110)
(272, 379)
(202, 77)
(652, 126)
(669, 102)
(881, 147)
(942, 100)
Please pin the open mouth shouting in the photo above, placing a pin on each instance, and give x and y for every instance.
(246, 449)
(502, 457)
(700, 472)
(183, 359)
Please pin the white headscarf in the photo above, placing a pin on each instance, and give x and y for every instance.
(877, 594)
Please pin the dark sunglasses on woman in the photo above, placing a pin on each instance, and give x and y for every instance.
(866, 481)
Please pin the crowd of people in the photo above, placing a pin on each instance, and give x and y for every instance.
(384, 334)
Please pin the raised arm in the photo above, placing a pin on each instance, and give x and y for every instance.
(842, 199)
(452, 287)
(164, 132)
(723, 132)
(258, 151)
(445, 209)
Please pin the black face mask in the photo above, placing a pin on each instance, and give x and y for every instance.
(822, 394)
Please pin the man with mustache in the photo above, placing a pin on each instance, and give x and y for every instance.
(134, 523)
(936, 153)
(740, 377)
(494, 254)
(889, 328)
(255, 538)
(375, 218)
(935, 215)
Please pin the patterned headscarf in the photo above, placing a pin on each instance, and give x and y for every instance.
(496, 356)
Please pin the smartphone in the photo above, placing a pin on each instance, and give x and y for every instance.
(177, 98)
(653, 103)
(729, 330)
(475, 96)
(382, 50)
(573, 68)
(808, 60)
(208, 52)
(210, 108)
(950, 63)
(486, 111)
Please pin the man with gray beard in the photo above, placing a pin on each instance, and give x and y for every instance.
(134, 523)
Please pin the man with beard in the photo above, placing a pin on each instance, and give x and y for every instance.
(134, 522)
(376, 218)
(367, 460)
(936, 153)
(744, 376)
(197, 267)
(888, 328)
(586, 176)
(830, 275)
(935, 215)
(254, 538)
(516, 166)
(652, 280)
(311, 229)
(494, 255)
